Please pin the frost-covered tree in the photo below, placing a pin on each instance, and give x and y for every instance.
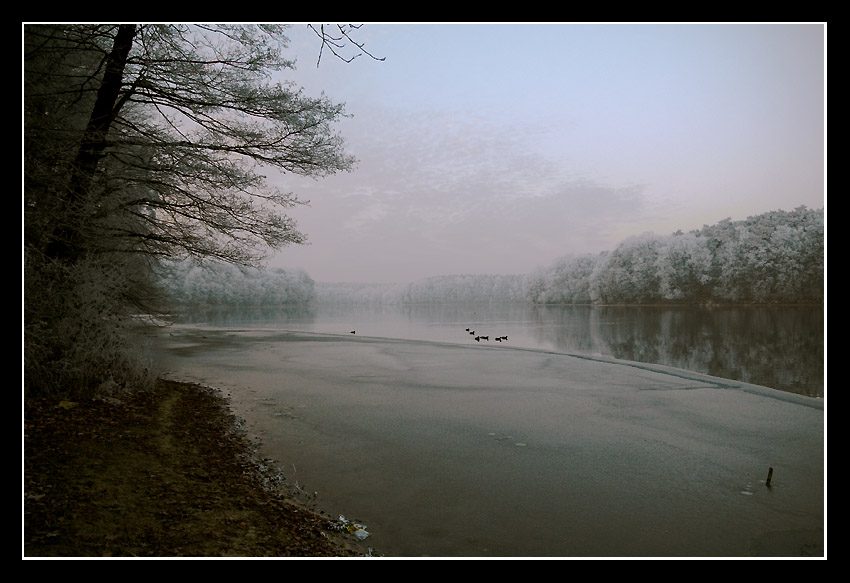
(430, 290)
(773, 257)
(182, 120)
(216, 283)
(566, 281)
(465, 288)
(628, 274)
(684, 269)
(770, 258)
(144, 141)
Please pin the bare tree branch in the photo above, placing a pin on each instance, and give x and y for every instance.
(336, 43)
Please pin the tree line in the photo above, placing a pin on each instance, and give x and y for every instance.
(220, 284)
(775, 257)
(436, 289)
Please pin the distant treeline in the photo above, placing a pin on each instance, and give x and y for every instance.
(214, 284)
(437, 289)
(776, 257)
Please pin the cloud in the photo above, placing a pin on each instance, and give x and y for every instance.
(447, 193)
(443, 169)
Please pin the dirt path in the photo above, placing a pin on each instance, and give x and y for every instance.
(164, 474)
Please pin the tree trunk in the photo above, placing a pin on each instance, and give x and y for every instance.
(66, 237)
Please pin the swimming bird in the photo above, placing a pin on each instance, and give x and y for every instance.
(353, 332)
(486, 338)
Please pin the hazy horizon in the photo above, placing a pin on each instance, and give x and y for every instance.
(498, 148)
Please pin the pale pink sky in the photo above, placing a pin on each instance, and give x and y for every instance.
(497, 148)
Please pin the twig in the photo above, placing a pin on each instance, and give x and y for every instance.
(339, 42)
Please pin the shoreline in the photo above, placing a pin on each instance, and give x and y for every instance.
(160, 474)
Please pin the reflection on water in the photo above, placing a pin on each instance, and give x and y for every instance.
(778, 347)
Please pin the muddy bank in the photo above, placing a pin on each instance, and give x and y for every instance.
(159, 474)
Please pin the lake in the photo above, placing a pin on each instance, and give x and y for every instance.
(777, 347)
(535, 446)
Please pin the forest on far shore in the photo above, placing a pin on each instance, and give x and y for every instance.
(776, 257)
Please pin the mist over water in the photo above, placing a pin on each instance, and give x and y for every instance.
(776, 347)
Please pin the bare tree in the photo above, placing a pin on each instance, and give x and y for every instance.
(144, 141)
(183, 119)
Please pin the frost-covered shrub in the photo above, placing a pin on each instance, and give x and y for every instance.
(80, 336)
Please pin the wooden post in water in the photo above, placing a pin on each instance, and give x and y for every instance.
(769, 477)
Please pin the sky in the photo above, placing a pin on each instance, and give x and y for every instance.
(498, 148)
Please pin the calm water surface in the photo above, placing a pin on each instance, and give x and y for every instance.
(777, 347)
